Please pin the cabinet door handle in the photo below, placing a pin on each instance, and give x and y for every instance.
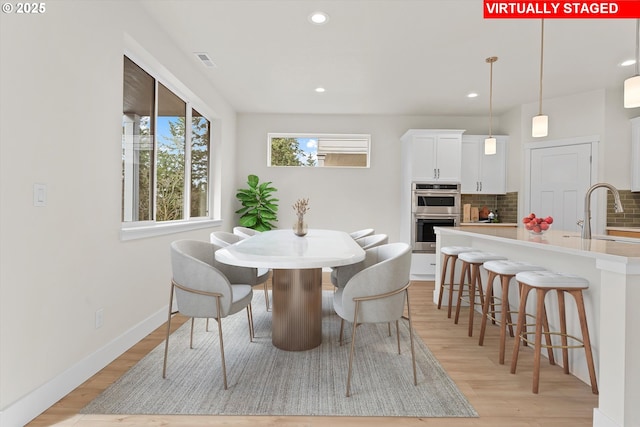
(438, 173)
(434, 174)
(480, 185)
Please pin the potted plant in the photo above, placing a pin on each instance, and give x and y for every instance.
(258, 205)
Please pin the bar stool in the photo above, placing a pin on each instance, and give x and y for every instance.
(471, 263)
(506, 270)
(450, 253)
(543, 282)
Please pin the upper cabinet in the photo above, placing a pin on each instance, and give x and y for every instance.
(432, 155)
(635, 154)
(483, 174)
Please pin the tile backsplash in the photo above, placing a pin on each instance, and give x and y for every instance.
(506, 205)
(631, 215)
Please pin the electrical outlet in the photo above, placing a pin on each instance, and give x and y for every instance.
(99, 317)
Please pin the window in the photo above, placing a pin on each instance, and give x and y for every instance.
(320, 150)
(165, 153)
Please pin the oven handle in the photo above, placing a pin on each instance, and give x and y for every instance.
(435, 193)
(455, 218)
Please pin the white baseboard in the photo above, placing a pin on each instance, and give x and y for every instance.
(601, 420)
(39, 400)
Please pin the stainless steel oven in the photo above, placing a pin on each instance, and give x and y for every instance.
(435, 198)
(423, 234)
(432, 205)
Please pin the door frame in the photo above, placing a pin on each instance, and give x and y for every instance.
(594, 141)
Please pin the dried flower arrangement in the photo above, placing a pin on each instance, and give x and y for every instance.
(301, 207)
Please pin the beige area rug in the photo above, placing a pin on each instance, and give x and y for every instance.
(264, 380)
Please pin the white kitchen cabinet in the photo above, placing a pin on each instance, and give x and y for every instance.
(432, 154)
(423, 266)
(483, 174)
(635, 154)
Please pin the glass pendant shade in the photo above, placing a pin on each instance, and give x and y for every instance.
(632, 92)
(490, 146)
(540, 126)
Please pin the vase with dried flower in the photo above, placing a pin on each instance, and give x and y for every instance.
(300, 207)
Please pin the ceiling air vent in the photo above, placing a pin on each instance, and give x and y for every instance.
(204, 58)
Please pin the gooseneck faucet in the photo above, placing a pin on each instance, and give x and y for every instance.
(617, 206)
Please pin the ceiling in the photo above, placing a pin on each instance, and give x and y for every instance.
(407, 57)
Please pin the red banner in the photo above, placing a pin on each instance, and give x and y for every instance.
(494, 9)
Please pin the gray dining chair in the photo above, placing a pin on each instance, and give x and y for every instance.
(372, 241)
(260, 275)
(203, 291)
(224, 238)
(377, 294)
(245, 232)
(361, 233)
(340, 275)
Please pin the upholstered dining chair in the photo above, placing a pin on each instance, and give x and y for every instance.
(261, 275)
(203, 291)
(245, 232)
(361, 233)
(340, 275)
(224, 238)
(372, 241)
(376, 294)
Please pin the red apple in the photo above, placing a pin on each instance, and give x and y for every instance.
(539, 220)
(544, 226)
(536, 229)
(532, 215)
(549, 220)
(526, 219)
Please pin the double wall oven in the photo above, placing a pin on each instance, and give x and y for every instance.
(433, 204)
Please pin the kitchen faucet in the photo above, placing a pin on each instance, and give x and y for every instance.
(617, 206)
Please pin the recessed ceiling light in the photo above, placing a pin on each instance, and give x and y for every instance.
(318, 18)
(628, 62)
(472, 95)
(319, 89)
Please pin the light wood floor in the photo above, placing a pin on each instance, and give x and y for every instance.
(500, 398)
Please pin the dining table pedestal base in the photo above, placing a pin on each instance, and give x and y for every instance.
(297, 309)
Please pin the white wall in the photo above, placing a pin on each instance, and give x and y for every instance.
(340, 198)
(61, 112)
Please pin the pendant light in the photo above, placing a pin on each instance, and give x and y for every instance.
(632, 84)
(490, 143)
(540, 123)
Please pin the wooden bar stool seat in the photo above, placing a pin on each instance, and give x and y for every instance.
(542, 282)
(450, 253)
(471, 263)
(506, 270)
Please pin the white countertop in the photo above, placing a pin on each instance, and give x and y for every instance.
(489, 224)
(603, 247)
(283, 249)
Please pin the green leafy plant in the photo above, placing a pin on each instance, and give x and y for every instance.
(258, 205)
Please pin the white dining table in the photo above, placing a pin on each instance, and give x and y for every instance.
(297, 264)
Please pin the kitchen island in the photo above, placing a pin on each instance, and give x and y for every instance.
(612, 303)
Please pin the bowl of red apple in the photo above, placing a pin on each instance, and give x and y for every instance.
(537, 225)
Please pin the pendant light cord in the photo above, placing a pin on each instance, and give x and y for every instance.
(541, 64)
(491, 100)
(491, 60)
(637, 46)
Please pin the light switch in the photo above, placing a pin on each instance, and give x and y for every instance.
(39, 195)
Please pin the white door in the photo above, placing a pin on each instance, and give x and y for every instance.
(560, 178)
